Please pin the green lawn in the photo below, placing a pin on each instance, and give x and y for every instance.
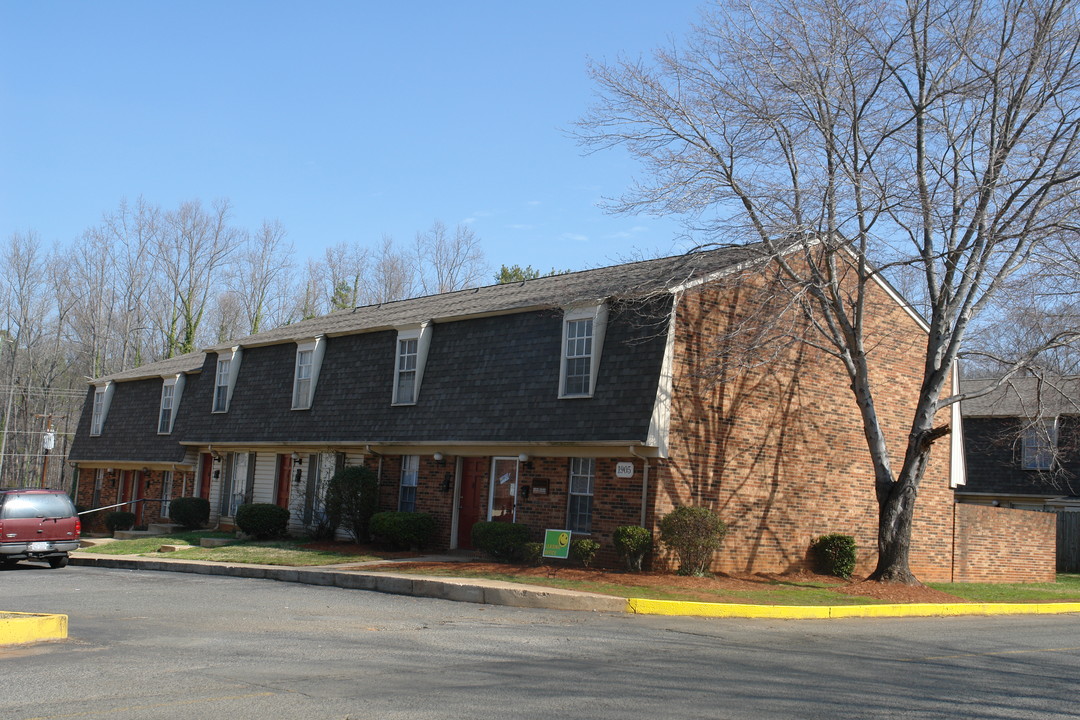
(1067, 588)
(292, 553)
(271, 552)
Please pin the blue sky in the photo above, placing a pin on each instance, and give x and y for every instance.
(345, 121)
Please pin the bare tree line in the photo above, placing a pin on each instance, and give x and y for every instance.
(147, 283)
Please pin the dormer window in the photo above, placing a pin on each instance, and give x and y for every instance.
(221, 386)
(165, 421)
(405, 388)
(302, 382)
(309, 355)
(101, 408)
(171, 389)
(583, 340)
(409, 361)
(228, 366)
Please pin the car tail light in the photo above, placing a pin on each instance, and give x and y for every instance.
(78, 527)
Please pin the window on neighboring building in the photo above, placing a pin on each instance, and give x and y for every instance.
(221, 385)
(97, 417)
(1040, 444)
(410, 471)
(579, 509)
(302, 380)
(166, 416)
(405, 384)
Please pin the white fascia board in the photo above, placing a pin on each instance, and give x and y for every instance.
(660, 422)
(957, 462)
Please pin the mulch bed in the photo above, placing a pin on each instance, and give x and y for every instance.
(710, 589)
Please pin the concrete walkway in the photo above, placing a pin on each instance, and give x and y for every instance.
(496, 592)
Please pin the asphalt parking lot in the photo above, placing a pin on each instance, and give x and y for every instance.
(165, 645)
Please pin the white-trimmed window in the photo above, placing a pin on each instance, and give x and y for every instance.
(405, 385)
(410, 473)
(309, 355)
(98, 417)
(582, 342)
(100, 411)
(579, 507)
(409, 360)
(222, 384)
(1040, 445)
(302, 380)
(228, 367)
(165, 417)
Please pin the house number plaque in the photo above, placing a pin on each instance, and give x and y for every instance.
(624, 470)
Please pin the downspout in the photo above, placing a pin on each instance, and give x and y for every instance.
(644, 483)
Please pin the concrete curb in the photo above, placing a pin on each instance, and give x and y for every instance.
(491, 592)
(797, 612)
(495, 592)
(17, 628)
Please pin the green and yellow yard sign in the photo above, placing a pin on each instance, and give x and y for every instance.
(557, 544)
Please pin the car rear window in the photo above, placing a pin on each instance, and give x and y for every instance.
(35, 505)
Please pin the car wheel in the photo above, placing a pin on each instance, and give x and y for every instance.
(8, 563)
(58, 562)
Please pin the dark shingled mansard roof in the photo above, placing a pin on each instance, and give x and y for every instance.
(1022, 397)
(629, 280)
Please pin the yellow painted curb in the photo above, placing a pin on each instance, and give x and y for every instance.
(642, 606)
(17, 627)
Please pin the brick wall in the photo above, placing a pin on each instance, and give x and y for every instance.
(996, 544)
(116, 486)
(777, 448)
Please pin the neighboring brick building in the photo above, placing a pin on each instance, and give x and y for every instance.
(584, 401)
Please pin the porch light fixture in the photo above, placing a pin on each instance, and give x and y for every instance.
(297, 459)
(438, 457)
(523, 458)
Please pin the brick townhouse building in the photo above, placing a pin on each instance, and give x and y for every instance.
(582, 401)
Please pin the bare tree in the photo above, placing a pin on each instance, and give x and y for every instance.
(191, 252)
(449, 263)
(851, 138)
(393, 275)
(259, 279)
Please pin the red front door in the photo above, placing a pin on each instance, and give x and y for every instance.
(473, 479)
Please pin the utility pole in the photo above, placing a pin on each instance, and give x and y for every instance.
(48, 442)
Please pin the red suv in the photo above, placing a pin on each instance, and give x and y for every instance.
(37, 525)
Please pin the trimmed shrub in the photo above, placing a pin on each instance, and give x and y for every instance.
(633, 544)
(584, 550)
(532, 553)
(504, 542)
(262, 521)
(190, 512)
(692, 533)
(402, 530)
(834, 554)
(352, 497)
(120, 520)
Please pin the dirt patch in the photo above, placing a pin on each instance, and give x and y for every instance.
(709, 589)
